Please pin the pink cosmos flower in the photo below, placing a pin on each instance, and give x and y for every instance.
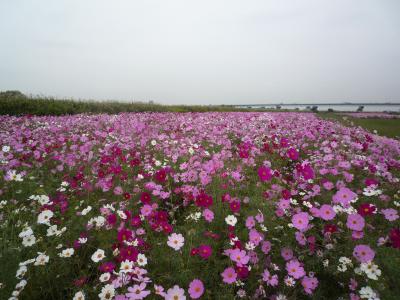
(271, 280)
(146, 210)
(326, 212)
(355, 222)
(300, 238)
(356, 235)
(309, 284)
(344, 196)
(159, 290)
(287, 253)
(175, 293)
(266, 247)
(300, 220)
(250, 222)
(255, 237)
(239, 256)
(196, 289)
(229, 275)
(260, 217)
(208, 215)
(363, 253)
(295, 269)
(328, 185)
(390, 214)
(264, 173)
(137, 292)
(176, 241)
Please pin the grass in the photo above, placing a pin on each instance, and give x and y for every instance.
(16, 103)
(385, 127)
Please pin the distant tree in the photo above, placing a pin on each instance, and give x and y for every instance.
(314, 108)
(278, 107)
(360, 108)
(11, 94)
(330, 110)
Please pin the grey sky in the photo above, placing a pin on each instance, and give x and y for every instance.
(204, 52)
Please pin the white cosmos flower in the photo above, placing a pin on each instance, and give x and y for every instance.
(20, 285)
(79, 296)
(52, 230)
(28, 241)
(82, 240)
(141, 260)
(5, 149)
(289, 281)
(371, 270)
(86, 210)
(105, 277)
(12, 175)
(107, 292)
(27, 262)
(250, 246)
(64, 184)
(98, 255)
(26, 232)
(121, 214)
(43, 199)
(231, 220)
(126, 266)
(41, 260)
(45, 216)
(368, 293)
(67, 252)
(21, 272)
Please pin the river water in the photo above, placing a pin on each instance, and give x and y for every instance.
(325, 107)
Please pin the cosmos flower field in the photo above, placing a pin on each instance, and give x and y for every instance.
(197, 206)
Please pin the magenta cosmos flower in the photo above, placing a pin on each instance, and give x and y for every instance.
(355, 222)
(264, 173)
(229, 275)
(295, 269)
(300, 220)
(326, 212)
(204, 251)
(363, 253)
(293, 154)
(196, 289)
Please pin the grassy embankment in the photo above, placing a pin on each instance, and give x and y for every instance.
(384, 127)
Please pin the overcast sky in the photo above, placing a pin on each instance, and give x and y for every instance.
(204, 52)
